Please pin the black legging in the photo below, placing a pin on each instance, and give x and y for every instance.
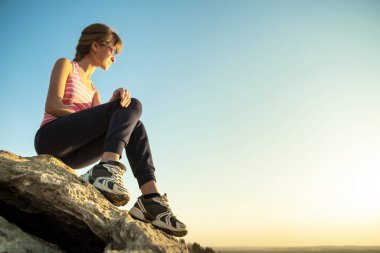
(80, 138)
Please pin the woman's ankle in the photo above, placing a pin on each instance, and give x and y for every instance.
(107, 156)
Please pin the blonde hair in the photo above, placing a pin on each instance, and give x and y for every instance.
(99, 33)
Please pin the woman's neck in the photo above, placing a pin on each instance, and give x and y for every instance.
(87, 67)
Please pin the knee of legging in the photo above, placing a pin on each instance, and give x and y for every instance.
(135, 105)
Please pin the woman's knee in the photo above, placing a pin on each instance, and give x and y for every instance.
(135, 105)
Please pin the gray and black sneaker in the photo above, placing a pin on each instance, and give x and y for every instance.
(157, 211)
(108, 179)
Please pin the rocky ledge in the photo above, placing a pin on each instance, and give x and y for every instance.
(47, 208)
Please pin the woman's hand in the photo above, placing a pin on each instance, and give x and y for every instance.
(123, 94)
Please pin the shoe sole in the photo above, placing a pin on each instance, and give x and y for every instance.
(138, 215)
(117, 200)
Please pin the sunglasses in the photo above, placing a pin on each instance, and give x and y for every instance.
(111, 49)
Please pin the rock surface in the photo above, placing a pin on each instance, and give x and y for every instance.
(14, 240)
(46, 199)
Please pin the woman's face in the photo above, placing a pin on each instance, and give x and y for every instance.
(105, 55)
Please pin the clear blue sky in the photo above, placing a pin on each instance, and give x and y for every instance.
(263, 116)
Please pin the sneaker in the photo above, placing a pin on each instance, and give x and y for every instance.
(157, 211)
(107, 178)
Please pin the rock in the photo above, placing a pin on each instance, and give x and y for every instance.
(13, 239)
(46, 199)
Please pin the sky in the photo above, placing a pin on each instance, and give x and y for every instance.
(262, 116)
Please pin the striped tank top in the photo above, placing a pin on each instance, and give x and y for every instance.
(77, 95)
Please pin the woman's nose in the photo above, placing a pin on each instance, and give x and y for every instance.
(113, 58)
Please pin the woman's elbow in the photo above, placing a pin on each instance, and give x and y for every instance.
(50, 108)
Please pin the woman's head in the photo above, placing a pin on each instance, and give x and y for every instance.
(97, 36)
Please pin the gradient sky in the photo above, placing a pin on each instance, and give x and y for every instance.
(263, 116)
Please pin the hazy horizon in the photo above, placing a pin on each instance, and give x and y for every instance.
(299, 246)
(263, 116)
(326, 249)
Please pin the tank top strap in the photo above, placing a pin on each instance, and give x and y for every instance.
(75, 68)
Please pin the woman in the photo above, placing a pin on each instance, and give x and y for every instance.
(78, 129)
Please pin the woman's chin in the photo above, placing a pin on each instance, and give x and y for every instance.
(106, 66)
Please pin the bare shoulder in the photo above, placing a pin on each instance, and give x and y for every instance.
(64, 66)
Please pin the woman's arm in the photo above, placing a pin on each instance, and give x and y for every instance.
(96, 100)
(54, 105)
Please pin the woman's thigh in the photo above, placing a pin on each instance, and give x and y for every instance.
(67, 134)
(85, 155)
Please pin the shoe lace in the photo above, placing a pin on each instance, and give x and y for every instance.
(117, 175)
(165, 202)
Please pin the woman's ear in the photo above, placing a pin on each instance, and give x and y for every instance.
(95, 46)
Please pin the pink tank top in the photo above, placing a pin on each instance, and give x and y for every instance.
(77, 95)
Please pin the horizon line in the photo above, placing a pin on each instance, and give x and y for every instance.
(313, 246)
